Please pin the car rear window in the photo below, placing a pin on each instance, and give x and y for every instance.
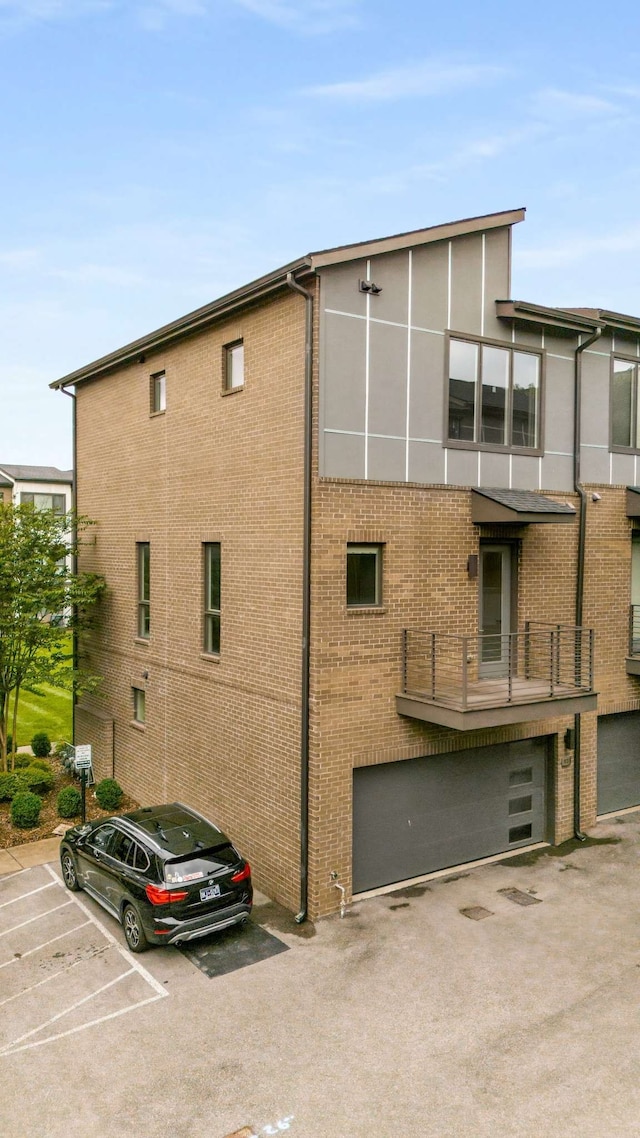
(200, 864)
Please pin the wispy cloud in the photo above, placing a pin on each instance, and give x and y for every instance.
(579, 247)
(306, 16)
(553, 104)
(431, 77)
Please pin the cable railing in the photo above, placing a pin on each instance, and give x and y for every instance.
(540, 662)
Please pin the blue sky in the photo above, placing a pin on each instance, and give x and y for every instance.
(157, 154)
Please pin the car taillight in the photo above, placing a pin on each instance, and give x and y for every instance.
(159, 896)
(242, 874)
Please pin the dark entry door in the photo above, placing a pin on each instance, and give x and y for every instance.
(495, 609)
(419, 815)
(618, 761)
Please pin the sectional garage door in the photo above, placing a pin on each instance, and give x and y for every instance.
(419, 815)
(618, 761)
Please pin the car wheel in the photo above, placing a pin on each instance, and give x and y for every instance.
(133, 930)
(68, 867)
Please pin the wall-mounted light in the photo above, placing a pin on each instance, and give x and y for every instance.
(369, 286)
(472, 566)
(145, 675)
(596, 497)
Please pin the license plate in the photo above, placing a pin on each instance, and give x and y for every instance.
(207, 894)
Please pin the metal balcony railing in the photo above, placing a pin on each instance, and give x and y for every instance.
(541, 662)
(634, 630)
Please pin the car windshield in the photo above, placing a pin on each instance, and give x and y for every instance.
(195, 866)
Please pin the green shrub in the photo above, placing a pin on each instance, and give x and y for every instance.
(69, 802)
(25, 810)
(34, 779)
(109, 794)
(41, 745)
(9, 744)
(7, 786)
(42, 764)
(20, 760)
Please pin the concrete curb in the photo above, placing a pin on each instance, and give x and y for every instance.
(28, 855)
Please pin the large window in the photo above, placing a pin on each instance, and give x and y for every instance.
(494, 395)
(55, 502)
(144, 595)
(625, 407)
(212, 597)
(364, 576)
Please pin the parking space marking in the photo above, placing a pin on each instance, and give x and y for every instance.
(67, 1011)
(11, 1049)
(29, 894)
(151, 980)
(38, 918)
(45, 944)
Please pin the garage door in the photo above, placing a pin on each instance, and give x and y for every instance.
(618, 761)
(419, 815)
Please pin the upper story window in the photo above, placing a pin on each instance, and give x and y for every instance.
(55, 502)
(158, 393)
(211, 642)
(364, 576)
(139, 705)
(143, 555)
(625, 409)
(234, 366)
(494, 395)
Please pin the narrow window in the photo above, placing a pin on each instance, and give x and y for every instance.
(234, 366)
(158, 393)
(624, 396)
(139, 705)
(144, 617)
(364, 575)
(212, 597)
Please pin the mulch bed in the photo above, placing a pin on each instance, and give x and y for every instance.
(11, 835)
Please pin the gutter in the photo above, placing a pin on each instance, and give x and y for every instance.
(582, 533)
(74, 560)
(306, 599)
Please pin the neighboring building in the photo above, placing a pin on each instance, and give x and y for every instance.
(43, 486)
(351, 588)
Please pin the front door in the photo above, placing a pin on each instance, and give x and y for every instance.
(495, 609)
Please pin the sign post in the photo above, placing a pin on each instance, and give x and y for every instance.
(82, 762)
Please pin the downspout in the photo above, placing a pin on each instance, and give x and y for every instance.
(74, 561)
(306, 599)
(582, 533)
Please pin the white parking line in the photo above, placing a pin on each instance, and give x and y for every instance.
(12, 1049)
(29, 894)
(51, 976)
(155, 984)
(30, 951)
(38, 918)
(66, 1011)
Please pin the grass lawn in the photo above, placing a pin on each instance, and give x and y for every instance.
(50, 712)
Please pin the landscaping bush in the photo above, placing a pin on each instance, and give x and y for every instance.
(42, 764)
(7, 786)
(19, 760)
(69, 802)
(41, 745)
(25, 810)
(34, 779)
(109, 794)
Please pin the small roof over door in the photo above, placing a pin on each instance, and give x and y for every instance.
(491, 505)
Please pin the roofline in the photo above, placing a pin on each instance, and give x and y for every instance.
(571, 319)
(265, 286)
(46, 481)
(226, 305)
(415, 237)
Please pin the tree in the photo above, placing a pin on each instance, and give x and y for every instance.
(42, 602)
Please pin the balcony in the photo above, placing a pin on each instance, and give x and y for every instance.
(633, 659)
(471, 682)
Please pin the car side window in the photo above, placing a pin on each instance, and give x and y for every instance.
(100, 838)
(142, 861)
(123, 848)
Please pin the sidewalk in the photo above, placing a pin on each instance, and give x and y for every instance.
(29, 854)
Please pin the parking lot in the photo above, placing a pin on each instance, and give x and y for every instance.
(498, 999)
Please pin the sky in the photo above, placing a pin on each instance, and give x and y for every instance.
(156, 154)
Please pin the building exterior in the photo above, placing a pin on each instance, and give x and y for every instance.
(371, 557)
(43, 486)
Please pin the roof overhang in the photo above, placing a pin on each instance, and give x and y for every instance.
(541, 316)
(516, 507)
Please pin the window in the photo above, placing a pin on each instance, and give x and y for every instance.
(139, 705)
(158, 393)
(625, 409)
(234, 366)
(55, 502)
(144, 616)
(364, 575)
(494, 394)
(212, 597)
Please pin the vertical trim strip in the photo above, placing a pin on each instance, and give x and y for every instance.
(449, 275)
(366, 375)
(409, 301)
(482, 286)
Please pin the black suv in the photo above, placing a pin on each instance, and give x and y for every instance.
(165, 872)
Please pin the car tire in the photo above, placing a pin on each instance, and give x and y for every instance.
(69, 872)
(133, 930)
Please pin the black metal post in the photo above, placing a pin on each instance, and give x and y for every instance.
(83, 783)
